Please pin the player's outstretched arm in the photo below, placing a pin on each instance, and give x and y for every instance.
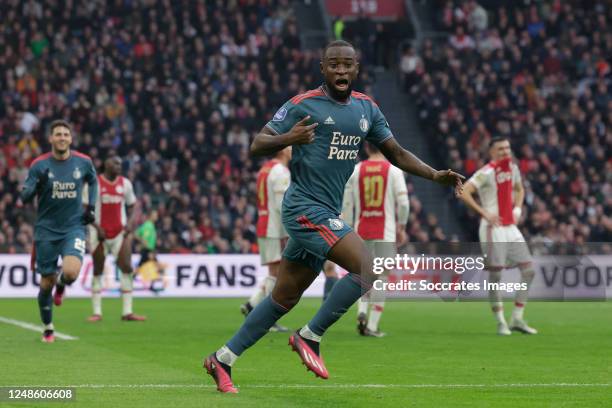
(408, 162)
(266, 142)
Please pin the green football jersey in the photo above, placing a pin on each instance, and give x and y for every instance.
(320, 170)
(59, 199)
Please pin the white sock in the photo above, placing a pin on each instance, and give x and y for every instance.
(517, 313)
(527, 275)
(96, 295)
(126, 293)
(258, 295)
(306, 333)
(362, 305)
(498, 311)
(226, 356)
(49, 326)
(268, 284)
(375, 314)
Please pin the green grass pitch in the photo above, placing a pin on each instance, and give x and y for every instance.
(436, 354)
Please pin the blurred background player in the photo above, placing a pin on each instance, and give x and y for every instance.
(57, 178)
(111, 233)
(146, 235)
(150, 271)
(272, 181)
(501, 196)
(376, 206)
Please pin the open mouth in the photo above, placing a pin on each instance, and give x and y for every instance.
(342, 84)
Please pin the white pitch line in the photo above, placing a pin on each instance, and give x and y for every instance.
(33, 327)
(331, 386)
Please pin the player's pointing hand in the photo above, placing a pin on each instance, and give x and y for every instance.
(302, 133)
(450, 178)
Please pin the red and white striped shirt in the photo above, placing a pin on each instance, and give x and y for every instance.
(375, 200)
(495, 184)
(113, 197)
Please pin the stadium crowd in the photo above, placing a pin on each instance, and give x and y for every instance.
(177, 89)
(540, 75)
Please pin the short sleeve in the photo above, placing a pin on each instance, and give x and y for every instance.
(380, 130)
(284, 119)
(130, 197)
(479, 179)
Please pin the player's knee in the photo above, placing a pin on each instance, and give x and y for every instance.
(47, 283)
(71, 273)
(286, 298)
(126, 268)
(527, 271)
(495, 275)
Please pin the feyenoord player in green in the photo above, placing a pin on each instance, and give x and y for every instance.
(57, 178)
(326, 127)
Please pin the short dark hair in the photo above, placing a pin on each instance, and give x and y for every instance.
(59, 123)
(336, 43)
(496, 139)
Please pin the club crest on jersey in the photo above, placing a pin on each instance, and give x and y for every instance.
(364, 125)
(335, 224)
(119, 190)
(280, 115)
(76, 173)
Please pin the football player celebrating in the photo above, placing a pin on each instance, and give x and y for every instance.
(326, 127)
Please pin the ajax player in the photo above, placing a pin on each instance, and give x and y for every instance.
(112, 234)
(326, 127)
(501, 196)
(376, 206)
(57, 178)
(272, 181)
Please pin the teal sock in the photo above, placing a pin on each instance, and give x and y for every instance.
(329, 284)
(341, 298)
(45, 306)
(256, 325)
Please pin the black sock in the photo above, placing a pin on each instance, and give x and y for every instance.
(45, 306)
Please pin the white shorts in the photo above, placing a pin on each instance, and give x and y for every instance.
(110, 246)
(270, 249)
(503, 246)
(382, 249)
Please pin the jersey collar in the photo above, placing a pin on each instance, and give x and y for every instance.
(322, 88)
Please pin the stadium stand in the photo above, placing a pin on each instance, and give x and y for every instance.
(540, 75)
(177, 89)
